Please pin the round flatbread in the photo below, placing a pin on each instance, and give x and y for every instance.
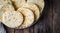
(12, 19)
(18, 3)
(40, 3)
(28, 17)
(3, 2)
(5, 8)
(34, 9)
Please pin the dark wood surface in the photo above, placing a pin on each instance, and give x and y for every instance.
(56, 19)
(48, 23)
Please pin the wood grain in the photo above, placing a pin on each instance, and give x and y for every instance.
(26, 30)
(31, 29)
(18, 31)
(9, 30)
(56, 19)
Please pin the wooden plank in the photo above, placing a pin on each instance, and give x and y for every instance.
(18, 31)
(31, 29)
(46, 23)
(56, 19)
(26, 30)
(9, 30)
(22, 30)
(36, 27)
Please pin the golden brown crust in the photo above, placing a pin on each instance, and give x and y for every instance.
(5, 8)
(29, 17)
(34, 9)
(40, 3)
(18, 3)
(12, 19)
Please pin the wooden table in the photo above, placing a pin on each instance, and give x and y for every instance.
(48, 23)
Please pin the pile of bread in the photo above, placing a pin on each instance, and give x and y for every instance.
(20, 13)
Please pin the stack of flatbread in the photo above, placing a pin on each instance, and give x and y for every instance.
(20, 13)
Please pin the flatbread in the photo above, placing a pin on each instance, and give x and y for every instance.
(34, 9)
(12, 19)
(3, 2)
(40, 3)
(18, 3)
(5, 8)
(28, 17)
